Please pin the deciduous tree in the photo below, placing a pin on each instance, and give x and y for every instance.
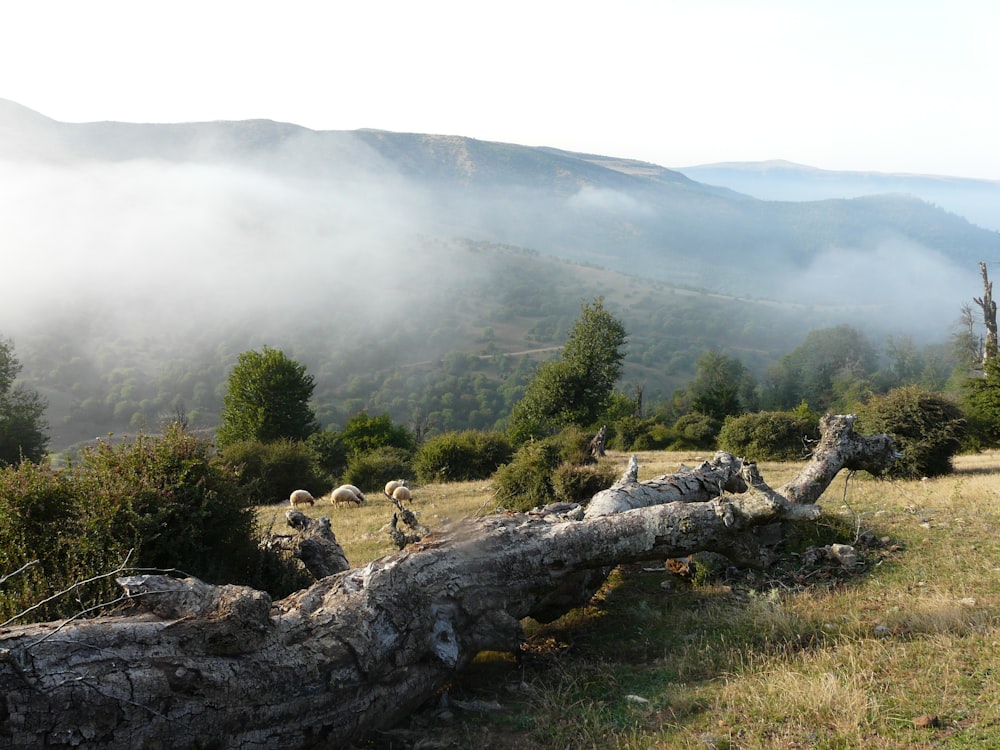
(22, 426)
(267, 398)
(576, 388)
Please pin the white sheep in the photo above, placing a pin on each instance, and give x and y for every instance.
(356, 491)
(301, 497)
(344, 494)
(402, 493)
(390, 487)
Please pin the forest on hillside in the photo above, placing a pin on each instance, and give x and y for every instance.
(454, 355)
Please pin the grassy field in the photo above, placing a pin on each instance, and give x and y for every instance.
(902, 653)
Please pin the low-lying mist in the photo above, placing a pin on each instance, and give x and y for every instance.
(897, 288)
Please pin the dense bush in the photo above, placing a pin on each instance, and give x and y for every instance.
(926, 427)
(635, 434)
(156, 502)
(576, 483)
(370, 471)
(461, 456)
(769, 435)
(38, 523)
(526, 482)
(694, 431)
(268, 472)
(363, 434)
(329, 454)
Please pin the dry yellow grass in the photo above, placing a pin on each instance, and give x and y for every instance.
(848, 664)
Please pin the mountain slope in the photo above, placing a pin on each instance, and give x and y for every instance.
(625, 215)
(976, 200)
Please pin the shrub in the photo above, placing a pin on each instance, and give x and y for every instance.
(157, 502)
(165, 498)
(573, 445)
(37, 523)
(329, 454)
(694, 431)
(769, 435)
(461, 456)
(575, 483)
(526, 482)
(926, 427)
(363, 434)
(268, 472)
(632, 433)
(370, 471)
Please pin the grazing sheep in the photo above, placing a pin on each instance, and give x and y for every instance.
(343, 494)
(391, 486)
(402, 493)
(301, 497)
(356, 491)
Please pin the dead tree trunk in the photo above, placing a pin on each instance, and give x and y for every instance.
(205, 665)
(989, 308)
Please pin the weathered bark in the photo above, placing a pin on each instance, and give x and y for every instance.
(204, 665)
(314, 544)
(596, 445)
(989, 308)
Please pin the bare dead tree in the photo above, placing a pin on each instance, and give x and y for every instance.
(989, 309)
(197, 665)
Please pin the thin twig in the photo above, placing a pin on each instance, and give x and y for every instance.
(74, 587)
(23, 568)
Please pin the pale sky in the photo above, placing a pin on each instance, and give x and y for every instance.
(908, 86)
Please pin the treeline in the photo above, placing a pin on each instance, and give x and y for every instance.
(451, 358)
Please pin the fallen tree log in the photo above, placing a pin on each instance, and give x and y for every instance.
(222, 666)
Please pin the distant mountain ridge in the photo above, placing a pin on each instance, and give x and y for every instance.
(622, 214)
(777, 180)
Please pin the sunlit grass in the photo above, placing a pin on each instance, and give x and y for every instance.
(845, 663)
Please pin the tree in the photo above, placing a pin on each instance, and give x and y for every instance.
(267, 398)
(22, 427)
(989, 309)
(364, 433)
(719, 386)
(576, 388)
(831, 366)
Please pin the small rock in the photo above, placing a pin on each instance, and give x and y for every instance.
(845, 554)
(926, 721)
(882, 631)
(637, 699)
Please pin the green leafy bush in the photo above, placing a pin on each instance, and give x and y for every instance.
(461, 456)
(573, 444)
(363, 434)
(268, 472)
(329, 454)
(370, 471)
(155, 502)
(575, 483)
(926, 427)
(38, 527)
(526, 481)
(695, 431)
(166, 499)
(769, 435)
(633, 433)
